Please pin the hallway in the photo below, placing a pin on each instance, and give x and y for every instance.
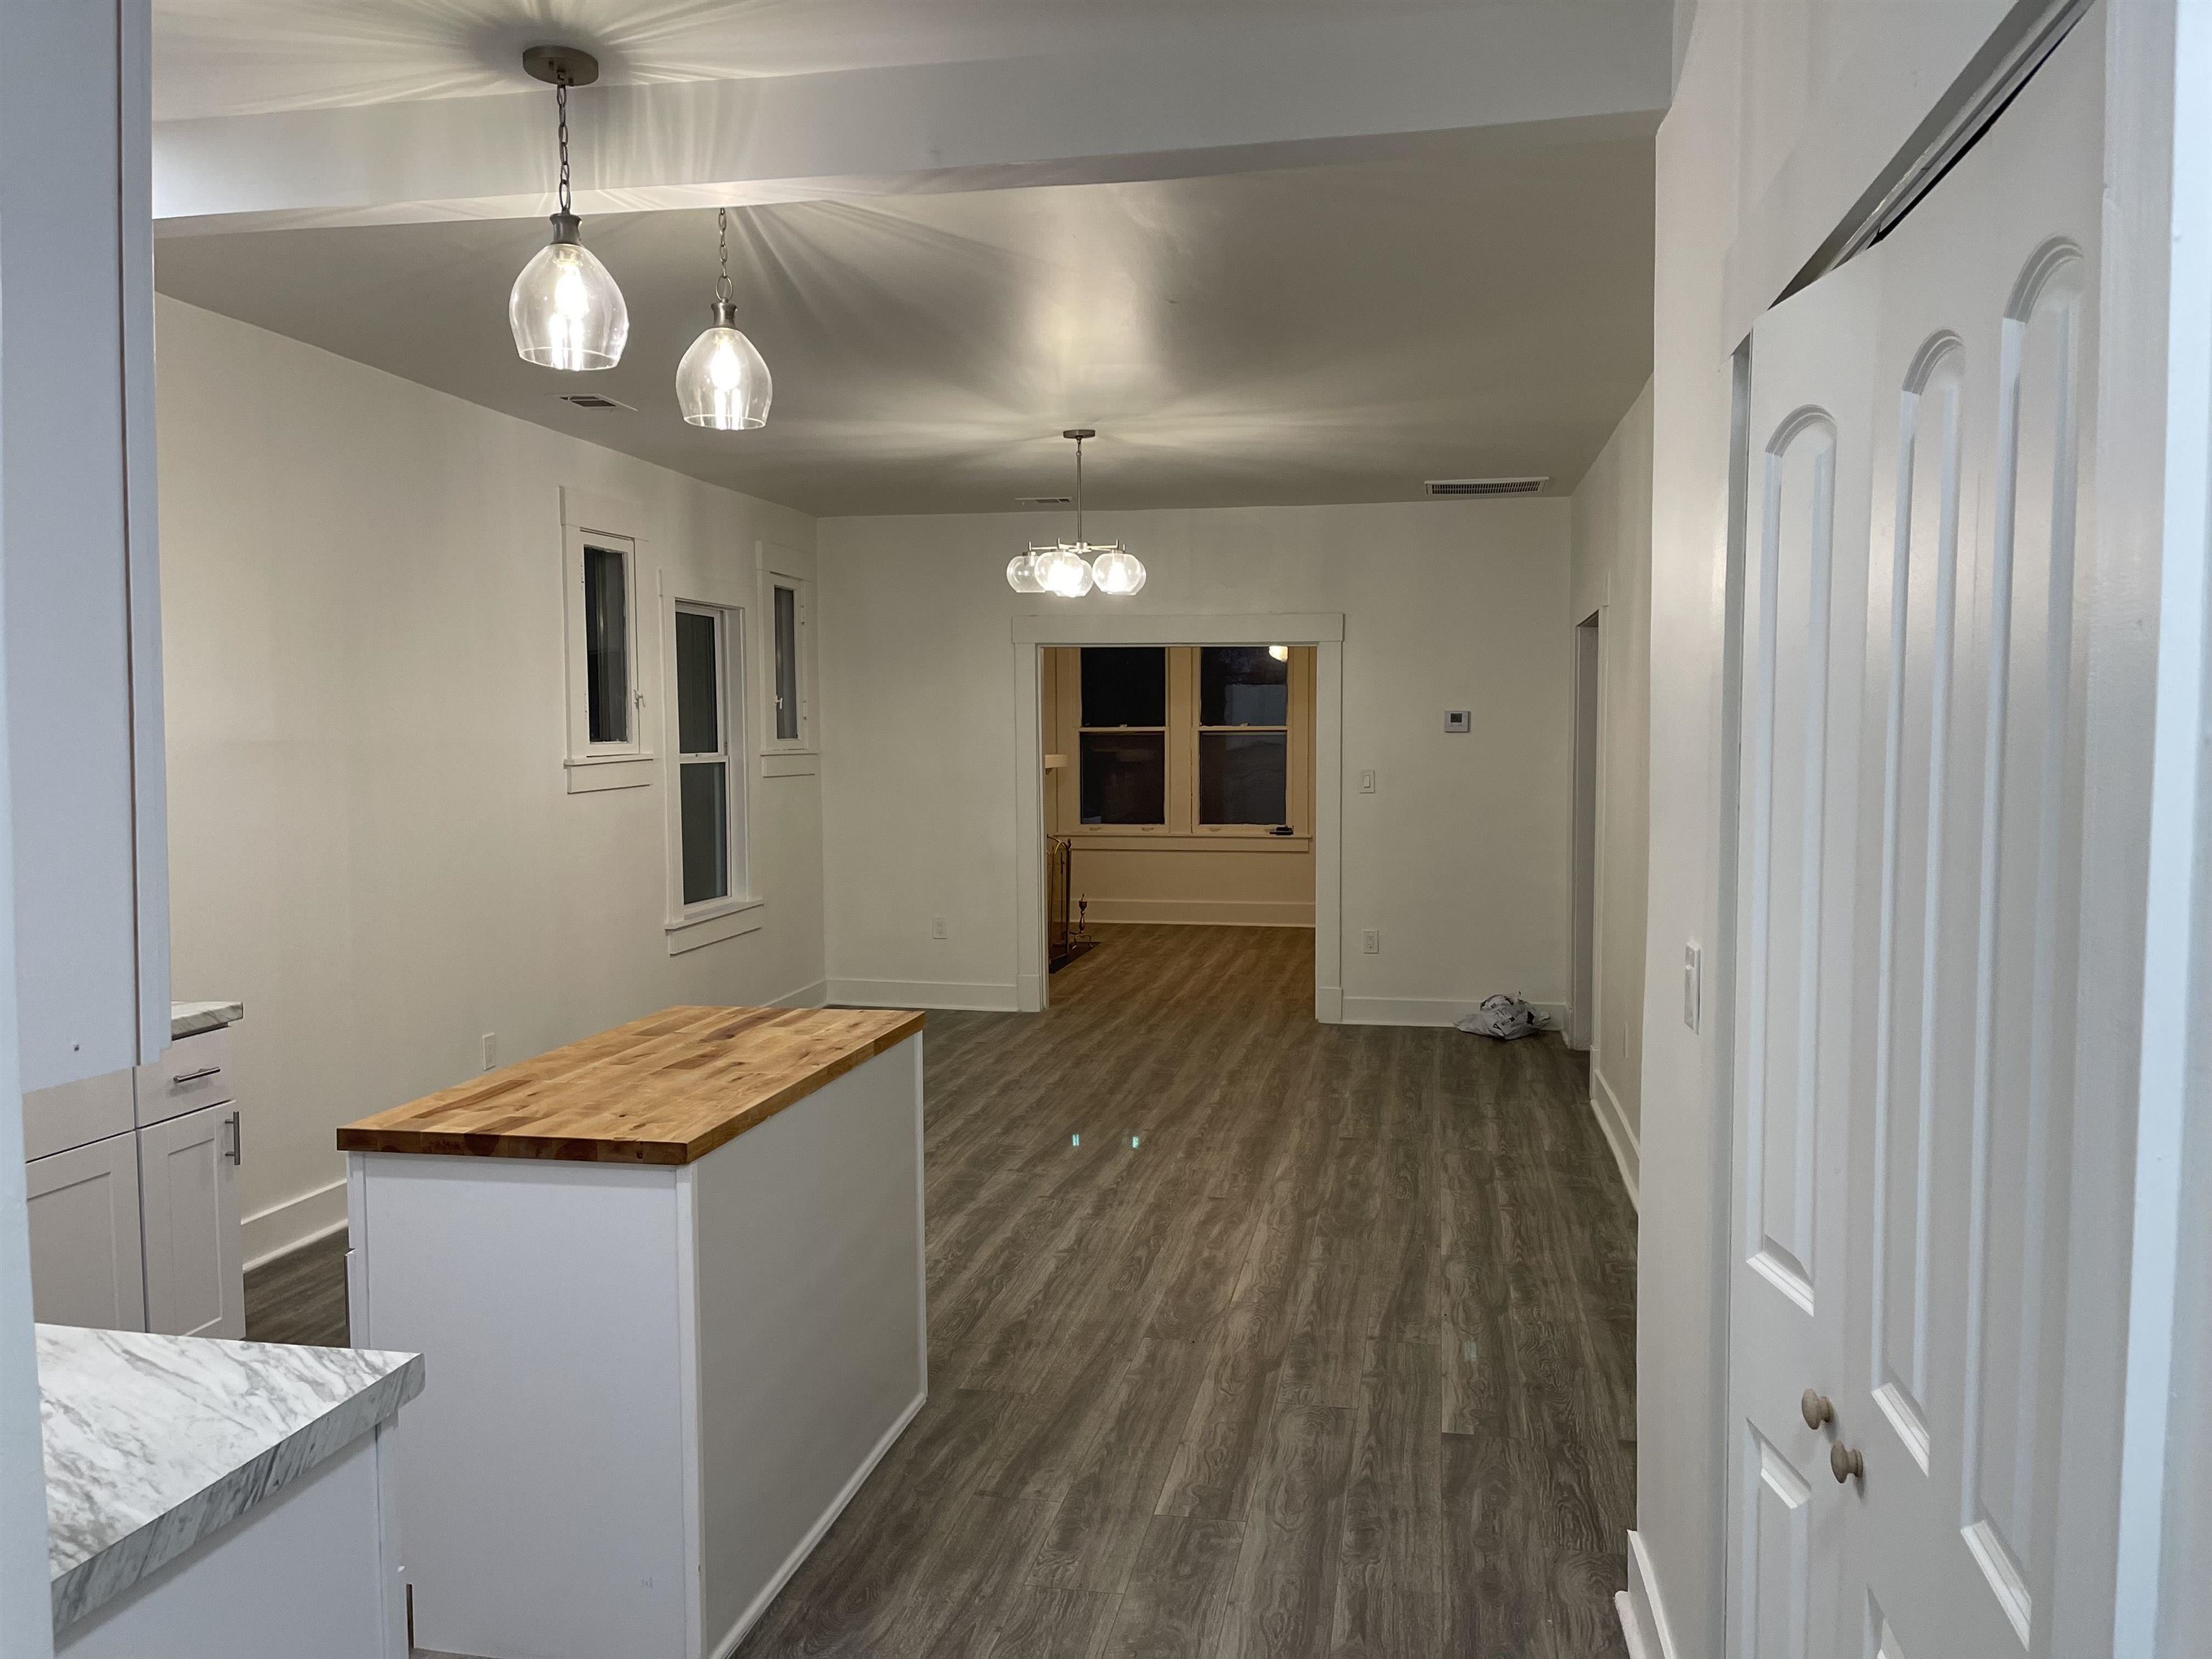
(1248, 1335)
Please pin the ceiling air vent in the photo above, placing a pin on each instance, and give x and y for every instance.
(591, 400)
(1487, 486)
(1044, 501)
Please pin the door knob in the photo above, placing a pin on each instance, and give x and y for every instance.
(1844, 1463)
(1818, 1409)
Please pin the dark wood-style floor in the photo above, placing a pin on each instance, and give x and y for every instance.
(1248, 1336)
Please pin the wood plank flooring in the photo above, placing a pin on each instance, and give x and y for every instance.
(1250, 1338)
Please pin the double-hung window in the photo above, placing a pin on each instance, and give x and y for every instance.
(707, 842)
(1122, 741)
(1243, 735)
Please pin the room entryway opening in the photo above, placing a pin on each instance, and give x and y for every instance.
(1178, 772)
(1178, 789)
(1582, 960)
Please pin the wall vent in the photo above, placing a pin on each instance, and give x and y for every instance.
(1044, 501)
(591, 400)
(1487, 486)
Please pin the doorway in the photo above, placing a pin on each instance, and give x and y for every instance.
(1582, 986)
(1314, 648)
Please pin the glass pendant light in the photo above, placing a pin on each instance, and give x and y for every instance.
(565, 311)
(1064, 571)
(722, 382)
(1021, 574)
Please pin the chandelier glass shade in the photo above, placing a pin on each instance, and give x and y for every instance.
(1071, 570)
(565, 310)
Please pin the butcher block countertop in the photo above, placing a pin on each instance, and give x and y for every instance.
(667, 1089)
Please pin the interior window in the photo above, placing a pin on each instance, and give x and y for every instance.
(703, 775)
(1243, 735)
(786, 663)
(606, 644)
(1123, 742)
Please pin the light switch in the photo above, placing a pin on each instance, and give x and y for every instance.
(1367, 782)
(1693, 985)
(490, 1050)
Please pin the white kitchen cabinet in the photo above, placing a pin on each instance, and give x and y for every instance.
(85, 1258)
(188, 1183)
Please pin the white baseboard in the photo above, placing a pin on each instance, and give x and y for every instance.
(1629, 1634)
(920, 993)
(806, 996)
(1422, 1011)
(1627, 1152)
(1644, 1615)
(792, 1563)
(1205, 913)
(283, 1228)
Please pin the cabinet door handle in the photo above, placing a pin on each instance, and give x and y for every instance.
(237, 1122)
(194, 1077)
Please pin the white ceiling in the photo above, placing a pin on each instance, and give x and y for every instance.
(1276, 251)
(254, 57)
(1324, 334)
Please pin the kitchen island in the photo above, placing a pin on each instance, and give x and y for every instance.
(670, 1280)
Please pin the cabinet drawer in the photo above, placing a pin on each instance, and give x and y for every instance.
(193, 1072)
(76, 1114)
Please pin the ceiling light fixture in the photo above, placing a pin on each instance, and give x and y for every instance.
(566, 311)
(1071, 569)
(722, 381)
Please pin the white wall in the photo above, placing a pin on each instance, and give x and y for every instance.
(1459, 858)
(1784, 112)
(370, 838)
(1611, 573)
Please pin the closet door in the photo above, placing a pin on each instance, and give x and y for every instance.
(1972, 892)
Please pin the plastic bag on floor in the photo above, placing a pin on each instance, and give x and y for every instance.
(1503, 1017)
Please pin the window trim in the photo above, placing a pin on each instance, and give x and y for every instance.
(688, 927)
(615, 527)
(788, 757)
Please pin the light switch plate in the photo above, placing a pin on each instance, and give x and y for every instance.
(1367, 783)
(1459, 720)
(490, 1050)
(1693, 988)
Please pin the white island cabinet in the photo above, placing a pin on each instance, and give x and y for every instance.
(670, 1281)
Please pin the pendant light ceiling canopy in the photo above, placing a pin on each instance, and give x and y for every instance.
(1071, 569)
(566, 311)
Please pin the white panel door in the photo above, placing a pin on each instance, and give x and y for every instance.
(187, 1165)
(84, 1235)
(1985, 359)
(1804, 624)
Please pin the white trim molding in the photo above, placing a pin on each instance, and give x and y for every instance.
(1619, 1134)
(293, 1225)
(1094, 626)
(1644, 1615)
(1205, 913)
(920, 994)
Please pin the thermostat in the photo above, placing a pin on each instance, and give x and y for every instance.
(1459, 720)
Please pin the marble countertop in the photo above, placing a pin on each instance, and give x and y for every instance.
(153, 1442)
(190, 1018)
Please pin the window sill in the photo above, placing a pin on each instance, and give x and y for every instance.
(609, 772)
(790, 762)
(1099, 840)
(744, 916)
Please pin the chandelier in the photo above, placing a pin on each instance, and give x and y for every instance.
(1071, 569)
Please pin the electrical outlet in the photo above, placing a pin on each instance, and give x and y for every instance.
(1367, 783)
(937, 927)
(490, 1050)
(1693, 988)
(1370, 942)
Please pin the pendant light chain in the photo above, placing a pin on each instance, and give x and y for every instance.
(722, 283)
(561, 102)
